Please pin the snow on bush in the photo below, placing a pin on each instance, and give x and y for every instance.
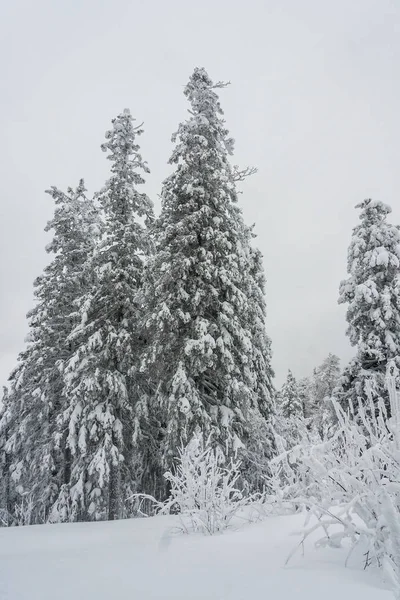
(204, 492)
(4, 517)
(352, 480)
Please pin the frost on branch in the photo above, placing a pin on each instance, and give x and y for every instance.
(353, 480)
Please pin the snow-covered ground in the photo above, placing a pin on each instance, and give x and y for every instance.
(142, 559)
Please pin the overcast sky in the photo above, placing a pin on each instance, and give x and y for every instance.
(314, 104)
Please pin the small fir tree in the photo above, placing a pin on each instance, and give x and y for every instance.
(290, 426)
(289, 398)
(305, 388)
(326, 377)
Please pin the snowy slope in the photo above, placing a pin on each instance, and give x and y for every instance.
(141, 560)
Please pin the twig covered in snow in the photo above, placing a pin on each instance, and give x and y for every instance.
(242, 174)
(358, 472)
(203, 491)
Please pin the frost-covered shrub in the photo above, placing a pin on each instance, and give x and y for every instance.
(4, 517)
(203, 490)
(24, 512)
(288, 480)
(353, 480)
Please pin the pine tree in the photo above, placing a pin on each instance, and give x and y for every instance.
(101, 378)
(372, 292)
(211, 365)
(289, 399)
(35, 464)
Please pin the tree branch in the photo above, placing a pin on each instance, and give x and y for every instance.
(242, 174)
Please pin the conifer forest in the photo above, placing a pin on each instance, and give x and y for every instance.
(145, 391)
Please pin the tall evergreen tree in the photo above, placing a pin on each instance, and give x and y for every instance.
(372, 293)
(205, 288)
(36, 465)
(101, 378)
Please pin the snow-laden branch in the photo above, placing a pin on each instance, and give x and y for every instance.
(351, 480)
(204, 491)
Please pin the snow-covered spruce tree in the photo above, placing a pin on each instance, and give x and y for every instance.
(205, 288)
(326, 377)
(4, 464)
(305, 388)
(36, 463)
(290, 404)
(290, 429)
(325, 380)
(101, 378)
(259, 440)
(289, 422)
(261, 343)
(372, 292)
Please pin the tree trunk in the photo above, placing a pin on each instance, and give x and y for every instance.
(114, 502)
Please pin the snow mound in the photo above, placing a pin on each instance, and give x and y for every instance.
(145, 559)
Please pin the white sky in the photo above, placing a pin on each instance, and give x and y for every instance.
(314, 104)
